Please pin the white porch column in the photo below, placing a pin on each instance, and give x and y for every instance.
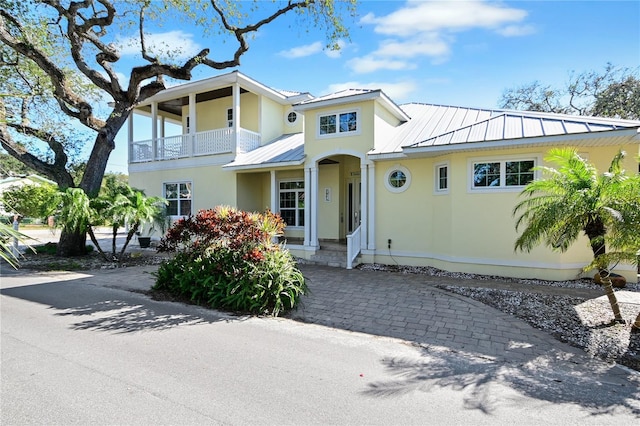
(192, 123)
(274, 193)
(154, 129)
(371, 244)
(307, 206)
(130, 136)
(162, 126)
(236, 116)
(314, 207)
(364, 204)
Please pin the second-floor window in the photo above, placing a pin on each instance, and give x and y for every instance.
(230, 117)
(343, 122)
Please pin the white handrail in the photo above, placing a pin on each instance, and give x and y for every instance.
(353, 246)
(208, 142)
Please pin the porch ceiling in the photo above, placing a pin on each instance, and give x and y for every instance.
(174, 106)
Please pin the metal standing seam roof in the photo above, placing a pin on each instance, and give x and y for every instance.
(429, 120)
(510, 125)
(283, 151)
(437, 126)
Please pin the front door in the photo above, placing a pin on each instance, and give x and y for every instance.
(353, 204)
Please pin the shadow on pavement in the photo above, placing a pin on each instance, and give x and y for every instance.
(466, 345)
(112, 310)
(550, 377)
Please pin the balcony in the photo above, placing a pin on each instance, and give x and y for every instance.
(209, 142)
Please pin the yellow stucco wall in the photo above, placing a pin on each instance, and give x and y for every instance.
(213, 114)
(272, 119)
(466, 230)
(251, 191)
(211, 185)
(384, 123)
(329, 210)
(361, 141)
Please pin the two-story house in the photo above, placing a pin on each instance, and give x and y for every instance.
(413, 184)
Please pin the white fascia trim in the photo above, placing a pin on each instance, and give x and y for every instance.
(387, 156)
(377, 95)
(522, 142)
(215, 83)
(337, 101)
(267, 166)
(183, 163)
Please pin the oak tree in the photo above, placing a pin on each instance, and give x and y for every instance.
(63, 57)
(614, 92)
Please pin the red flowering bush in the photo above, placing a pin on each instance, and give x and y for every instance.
(228, 258)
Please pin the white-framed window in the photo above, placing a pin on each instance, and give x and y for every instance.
(291, 204)
(229, 117)
(339, 123)
(442, 178)
(179, 197)
(511, 173)
(291, 118)
(397, 179)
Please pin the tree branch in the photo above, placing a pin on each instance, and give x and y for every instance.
(71, 103)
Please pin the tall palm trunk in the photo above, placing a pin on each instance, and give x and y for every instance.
(605, 278)
(596, 231)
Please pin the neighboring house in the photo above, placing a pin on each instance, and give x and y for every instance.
(414, 184)
(18, 181)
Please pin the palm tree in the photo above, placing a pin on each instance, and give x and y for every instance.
(573, 199)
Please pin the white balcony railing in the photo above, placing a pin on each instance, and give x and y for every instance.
(353, 246)
(210, 142)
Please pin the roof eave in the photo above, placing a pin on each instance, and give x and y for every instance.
(374, 95)
(588, 138)
(216, 82)
(267, 166)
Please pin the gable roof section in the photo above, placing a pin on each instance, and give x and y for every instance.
(287, 150)
(350, 96)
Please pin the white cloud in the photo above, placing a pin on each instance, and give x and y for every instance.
(302, 51)
(367, 64)
(396, 91)
(516, 30)
(174, 44)
(427, 16)
(428, 45)
(425, 28)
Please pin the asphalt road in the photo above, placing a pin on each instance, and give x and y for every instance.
(75, 351)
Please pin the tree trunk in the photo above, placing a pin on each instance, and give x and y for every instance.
(72, 243)
(605, 277)
(635, 327)
(596, 232)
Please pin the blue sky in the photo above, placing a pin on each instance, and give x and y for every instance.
(453, 53)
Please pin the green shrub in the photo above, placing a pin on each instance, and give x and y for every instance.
(226, 258)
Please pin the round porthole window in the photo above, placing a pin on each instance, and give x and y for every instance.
(292, 118)
(397, 179)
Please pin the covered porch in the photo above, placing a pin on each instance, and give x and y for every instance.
(327, 203)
